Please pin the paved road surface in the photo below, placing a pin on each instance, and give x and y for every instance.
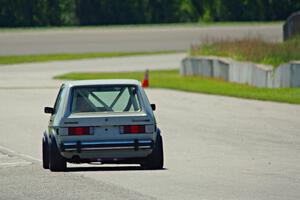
(215, 147)
(20, 179)
(39, 74)
(126, 39)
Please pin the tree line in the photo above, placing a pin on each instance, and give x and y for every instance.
(31, 13)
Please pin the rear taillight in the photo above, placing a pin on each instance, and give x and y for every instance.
(80, 131)
(133, 129)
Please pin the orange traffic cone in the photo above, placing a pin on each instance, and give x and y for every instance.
(145, 82)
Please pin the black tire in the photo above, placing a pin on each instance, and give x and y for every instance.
(45, 149)
(156, 159)
(56, 161)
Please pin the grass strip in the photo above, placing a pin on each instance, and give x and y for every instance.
(60, 57)
(142, 26)
(171, 79)
(251, 49)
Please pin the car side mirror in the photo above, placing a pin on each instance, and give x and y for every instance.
(153, 106)
(48, 110)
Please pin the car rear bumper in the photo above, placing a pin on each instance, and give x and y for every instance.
(82, 146)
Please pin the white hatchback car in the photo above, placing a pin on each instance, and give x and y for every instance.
(106, 121)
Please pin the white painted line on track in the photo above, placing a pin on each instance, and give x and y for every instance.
(14, 153)
(14, 164)
(3, 156)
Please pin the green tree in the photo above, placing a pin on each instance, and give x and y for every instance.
(16, 13)
(186, 11)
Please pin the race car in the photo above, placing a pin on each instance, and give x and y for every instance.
(103, 121)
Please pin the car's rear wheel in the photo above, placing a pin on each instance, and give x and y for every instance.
(45, 150)
(156, 159)
(56, 161)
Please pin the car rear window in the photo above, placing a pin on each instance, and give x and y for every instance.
(108, 98)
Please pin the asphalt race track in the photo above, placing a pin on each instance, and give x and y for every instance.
(109, 39)
(215, 147)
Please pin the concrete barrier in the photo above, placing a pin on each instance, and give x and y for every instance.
(220, 69)
(286, 75)
(292, 26)
(295, 74)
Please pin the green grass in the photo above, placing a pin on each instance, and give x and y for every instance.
(171, 79)
(60, 57)
(162, 25)
(254, 50)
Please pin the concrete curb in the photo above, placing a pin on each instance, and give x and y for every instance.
(286, 75)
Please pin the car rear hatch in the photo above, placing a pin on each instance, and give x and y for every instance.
(93, 131)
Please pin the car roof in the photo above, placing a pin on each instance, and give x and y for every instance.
(102, 82)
